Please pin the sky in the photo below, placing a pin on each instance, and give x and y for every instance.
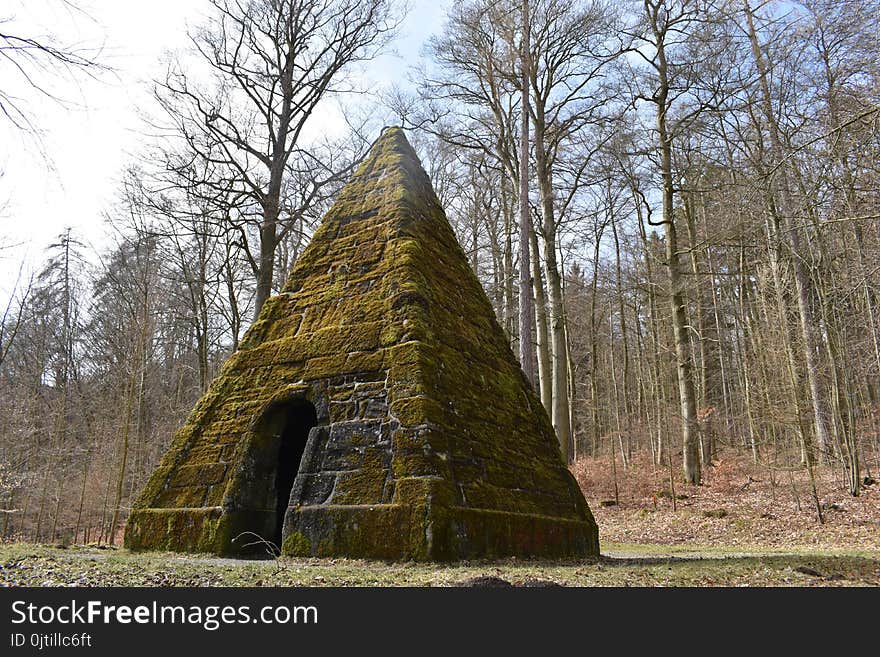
(70, 175)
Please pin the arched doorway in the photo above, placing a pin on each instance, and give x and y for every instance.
(298, 418)
(259, 493)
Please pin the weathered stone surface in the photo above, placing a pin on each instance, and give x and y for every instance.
(428, 442)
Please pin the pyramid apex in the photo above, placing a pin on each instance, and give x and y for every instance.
(392, 137)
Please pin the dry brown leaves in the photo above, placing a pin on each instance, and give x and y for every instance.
(739, 504)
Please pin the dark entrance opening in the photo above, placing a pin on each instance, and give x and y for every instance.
(297, 419)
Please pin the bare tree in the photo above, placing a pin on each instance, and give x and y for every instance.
(29, 63)
(13, 313)
(271, 62)
(676, 37)
(526, 312)
(472, 100)
(570, 52)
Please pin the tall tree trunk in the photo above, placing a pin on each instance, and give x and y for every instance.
(268, 242)
(708, 374)
(526, 312)
(621, 310)
(785, 208)
(594, 346)
(508, 274)
(543, 346)
(745, 321)
(560, 411)
(572, 397)
(134, 395)
(656, 358)
(686, 393)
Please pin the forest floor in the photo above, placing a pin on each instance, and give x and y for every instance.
(741, 528)
(740, 506)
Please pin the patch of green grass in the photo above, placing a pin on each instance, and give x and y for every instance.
(614, 549)
(623, 565)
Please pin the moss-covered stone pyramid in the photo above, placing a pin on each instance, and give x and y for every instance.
(375, 409)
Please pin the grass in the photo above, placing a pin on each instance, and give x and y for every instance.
(621, 565)
(743, 527)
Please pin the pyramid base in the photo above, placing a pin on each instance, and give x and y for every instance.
(383, 531)
(204, 529)
(398, 532)
(176, 530)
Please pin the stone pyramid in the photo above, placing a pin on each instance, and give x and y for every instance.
(374, 409)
